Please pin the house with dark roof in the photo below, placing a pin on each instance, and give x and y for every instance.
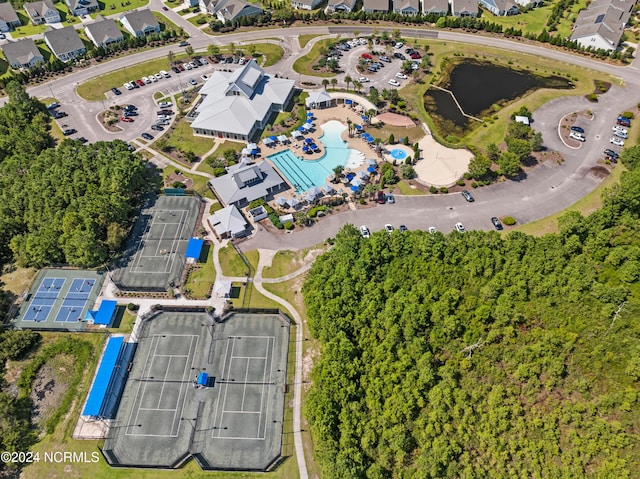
(601, 25)
(375, 6)
(64, 43)
(464, 8)
(103, 31)
(8, 17)
(500, 8)
(42, 12)
(22, 54)
(245, 183)
(341, 6)
(305, 4)
(229, 10)
(140, 23)
(406, 7)
(82, 7)
(237, 105)
(437, 7)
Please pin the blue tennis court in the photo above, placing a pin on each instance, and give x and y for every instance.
(37, 312)
(44, 299)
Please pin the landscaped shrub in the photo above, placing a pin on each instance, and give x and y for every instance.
(628, 114)
(474, 184)
(363, 201)
(313, 212)
(509, 220)
(592, 97)
(433, 190)
(132, 307)
(289, 226)
(444, 189)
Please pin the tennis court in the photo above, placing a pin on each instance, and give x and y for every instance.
(155, 254)
(233, 423)
(59, 296)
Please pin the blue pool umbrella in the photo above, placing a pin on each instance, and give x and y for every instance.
(358, 127)
(308, 140)
(354, 188)
(371, 169)
(302, 128)
(273, 138)
(370, 140)
(309, 114)
(254, 152)
(313, 145)
(364, 117)
(348, 102)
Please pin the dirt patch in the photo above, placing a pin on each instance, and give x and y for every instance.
(600, 172)
(109, 120)
(178, 178)
(48, 388)
(394, 119)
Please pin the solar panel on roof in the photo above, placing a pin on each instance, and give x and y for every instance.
(600, 17)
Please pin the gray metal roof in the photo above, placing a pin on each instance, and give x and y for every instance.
(7, 13)
(435, 6)
(40, 7)
(228, 220)
(232, 188)
(63, 40)
(348, 3)
(103, 30)
(231, 9)
(22, 51)
(88, 4)
(379, 5)
(140, 20)
(464, 6)
(401, 5)
(606, 18)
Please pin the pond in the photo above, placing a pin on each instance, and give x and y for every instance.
(478, 86)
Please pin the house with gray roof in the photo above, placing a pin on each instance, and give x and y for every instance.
(244, 183)
(437, 7)
(229, 10)
(500, 8)
(464, 8)
(22, 53)
(601, 25)
(237, 105)
(64, 43)
(42, 12)
(228, 223)
(406, 7)
(140, 23)
(375, 6)
(341, 6)
(103, 31)
(8, 17)
(305, 4)
(82, 7)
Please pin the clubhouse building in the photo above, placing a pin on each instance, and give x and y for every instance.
(238, 105)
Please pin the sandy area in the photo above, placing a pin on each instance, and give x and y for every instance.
(440, 166)
(394, 119)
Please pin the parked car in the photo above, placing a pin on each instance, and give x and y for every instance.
(460, 228)
(403, 229)
(82, 140)
(385, 59)
(363, 80)
(496, 223)
(165, 112)
(164, 73)
(621, 134)
(432, 230)
(402, 76)
(58, 114)
(467, 196)
(389, 228)
(128, 86)
(394, 83)
(619, 128)
(399, 56)
(134, 84)
(187, 66)
(372, 69)
(204, 77)
(577, 136)
(156, 127)
(175, 69)
(577, 128)
(140, 83)
(617, 141)
(116, 91)
(158, 76)
(203, 61)
(610, 153)
(194, 64)
(130, 113)
(165, 104)
(415, 56)
(399, 45)
(364, 232)
(624, 122)
(147, 136)
(126, 119)
(183, 44)
(129, 108)
(381, 197)
(69, 131)
(153, 78)
(391, 199)
(366, 55)
(180, 67)
(146, 80)
(53, 105)
(192, 81)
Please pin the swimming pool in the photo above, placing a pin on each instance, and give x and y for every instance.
(304, 174)
(398, 154)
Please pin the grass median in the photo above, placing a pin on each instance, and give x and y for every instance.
(303, 64)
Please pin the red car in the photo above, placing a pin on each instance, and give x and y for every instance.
(139, 82)
(415, 56)
(367, 56)
(126, 119)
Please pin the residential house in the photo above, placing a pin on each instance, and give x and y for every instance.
(64, 43)
(529, 3)
(305, 4)
(103, 31)
(8, 17)
(42, 12)
(22, 54)
(500, 8)
(375, 6)
(437, 7)
(245, 183)
(228, 223)
(602, 24)
(82, 7)
(229, 10)
(464, 8)
(237, 105)
(140, 23)
(406, 7)
(341, 6)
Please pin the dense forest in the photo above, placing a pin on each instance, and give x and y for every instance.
(66, 204)
(478, 355)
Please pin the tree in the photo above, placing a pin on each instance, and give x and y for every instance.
(509, 164)
(493, 152)
(521, 148)
(325, 83)
(479, 166)
(189, 51)
(334, 82)
(407, 172)
(536, 142)
(171, 57)
(347, 80)
(232, 46)
(338, 171)
(374, 96)
(213, 50)
(357, 85)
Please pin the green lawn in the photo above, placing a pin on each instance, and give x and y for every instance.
(256, 300)
(165, 23)
(303, 64)
(585, 205)
(27, 28)
(95, 88)
(195, 18)
(231, 262)
(286, 262)
(110, 7)
(183, 139)
(201, 281)
(406, 190)
(272, 52)
(199, 182)
(306, 38)
(253, 257)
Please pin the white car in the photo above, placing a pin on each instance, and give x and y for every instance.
(204, 61)
(165, 104)
(394, 83)
(399, 45)
(577, 136)
(364, 231)
(128, 86)
(158, 76)
(617, 141)
(618, 128)
(432, 230)
(621, 134)
(460, 228)
(153, 78)
(241, 61)
(188, 66)
(363, 80)
(204, 77)
(146, 80)
(165, 74)
(402, 76)
(389, 228)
